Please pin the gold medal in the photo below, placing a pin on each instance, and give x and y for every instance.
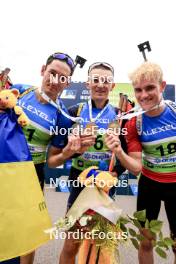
(91, 129)
(76, 129)
(114, 127)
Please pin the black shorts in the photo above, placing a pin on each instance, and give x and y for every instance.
(150, 195)
(40, 173)
(11, 261)
(74, 187)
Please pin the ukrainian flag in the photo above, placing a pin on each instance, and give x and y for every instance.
(23, 212)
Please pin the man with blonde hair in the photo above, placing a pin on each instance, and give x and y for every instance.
(153, 133)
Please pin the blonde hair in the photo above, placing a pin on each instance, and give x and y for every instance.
(146, 72)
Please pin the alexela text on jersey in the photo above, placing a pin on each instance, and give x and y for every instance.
(35, 111)
(158, 130)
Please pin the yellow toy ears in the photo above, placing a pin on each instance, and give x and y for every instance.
(102, 179)
(15, 92)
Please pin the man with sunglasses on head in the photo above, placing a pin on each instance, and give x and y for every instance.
(45, 110)
(152, 133)
(96, 114)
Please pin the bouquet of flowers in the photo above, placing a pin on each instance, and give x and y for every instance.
(100, 225)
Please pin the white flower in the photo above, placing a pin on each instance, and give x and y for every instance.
(71, 220)
(65, 223)
(84, 219)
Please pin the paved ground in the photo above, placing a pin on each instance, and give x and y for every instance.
(56, 202)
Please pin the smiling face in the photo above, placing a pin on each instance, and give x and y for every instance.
(61, 72)
(149, 93)
(100, 84)
(148, 85)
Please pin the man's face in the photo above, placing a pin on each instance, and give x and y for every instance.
(55, 77)
(100, 84)
(149, 93)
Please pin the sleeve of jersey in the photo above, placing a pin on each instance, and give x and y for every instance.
(64, 124)
(132, 138)
(21, 87)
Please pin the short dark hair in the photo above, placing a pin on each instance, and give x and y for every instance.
(62, 57)
(101, 65)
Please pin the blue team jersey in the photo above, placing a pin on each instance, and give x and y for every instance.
(158, 140)
(99, 152)
(47, 124)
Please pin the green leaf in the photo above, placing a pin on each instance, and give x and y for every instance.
(124, 220)
(137, 224)
(123, 227)
(155, 226)
(161, 252)
(168, 241)
(135, 243)
(147, 224)
(160, 235)
(140, 215)
(152, 233)
(153, 243)
(161, 243)
(132, 232)
(140, 237)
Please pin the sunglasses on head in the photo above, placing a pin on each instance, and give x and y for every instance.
(97, 64)
(66, 58)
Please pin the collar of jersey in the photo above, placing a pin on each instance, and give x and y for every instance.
(94, 106)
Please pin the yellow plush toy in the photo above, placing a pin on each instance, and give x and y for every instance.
(102, 179)
(8, 100)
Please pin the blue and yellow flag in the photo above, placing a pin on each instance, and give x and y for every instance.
(23, 212)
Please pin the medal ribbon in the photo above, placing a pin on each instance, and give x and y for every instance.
(57, 105)
(138, 111)
(127, 115)
(99, 114)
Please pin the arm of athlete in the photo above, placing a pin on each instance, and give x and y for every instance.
(75, 145)
(133, 160)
